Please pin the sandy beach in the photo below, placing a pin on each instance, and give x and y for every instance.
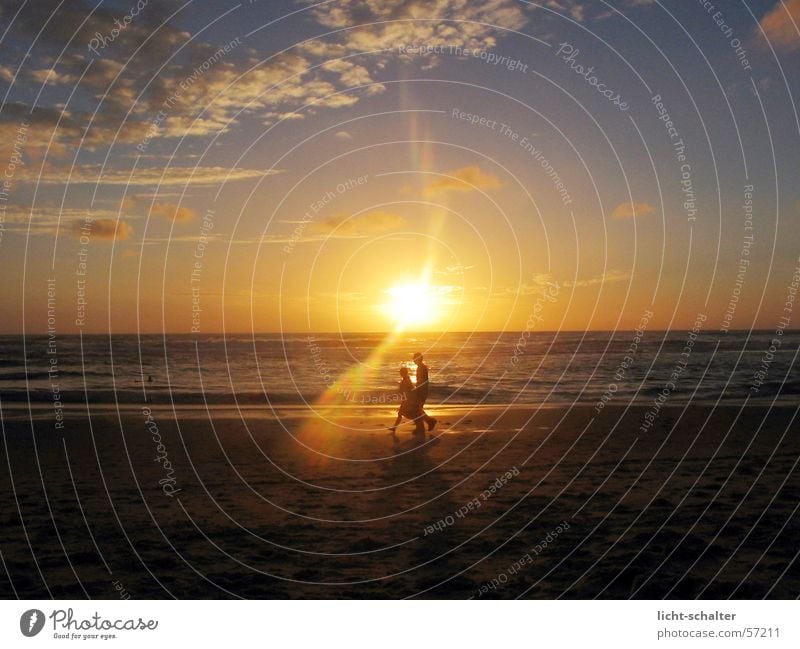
(497, 503)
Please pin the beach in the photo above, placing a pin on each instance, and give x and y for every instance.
(499, 501)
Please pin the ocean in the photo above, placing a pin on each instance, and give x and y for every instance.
(540, 368)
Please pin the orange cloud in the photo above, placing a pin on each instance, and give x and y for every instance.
(51, 76)
(632, 210)
(464, 179)
(781, 25)
(357, 226)
(109, 229)
(539, 284)
(604, 278)
(173, 212)
(375, 25)
(143, 176)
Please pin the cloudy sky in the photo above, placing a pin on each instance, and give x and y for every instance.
(297, 166)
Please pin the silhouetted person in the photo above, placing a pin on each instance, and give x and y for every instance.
(409, 405)
(421, 391)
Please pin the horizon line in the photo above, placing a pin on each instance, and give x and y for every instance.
(311, 333)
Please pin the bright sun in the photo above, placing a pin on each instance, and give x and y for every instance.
(414, 305)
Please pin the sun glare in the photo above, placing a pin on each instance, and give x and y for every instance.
(414, 305)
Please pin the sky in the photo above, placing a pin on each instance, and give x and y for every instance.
(356, 165)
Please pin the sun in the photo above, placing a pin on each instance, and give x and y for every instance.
(415, 305)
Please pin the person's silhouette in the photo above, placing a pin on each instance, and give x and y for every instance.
(421, 390)
(409, 406)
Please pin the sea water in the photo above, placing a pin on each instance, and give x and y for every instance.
(465, 368)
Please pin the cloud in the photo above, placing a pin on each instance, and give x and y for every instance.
(352, 74)
(108, 229)
(464, 179)
(60, 25)
(583, 12)
(113, 78)
(270, 117)
(544, 283)
(604, 278)
(453, 269)
(781, 25)
(31, 129)
(46, 220)
(143, 176)
(446, 23)
(344, 226)
(537, 284)
(631, 210)
(173, 212)
(274, 89)
(210, 88)
(50, 76)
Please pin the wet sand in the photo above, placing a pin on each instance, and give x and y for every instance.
(521, 502)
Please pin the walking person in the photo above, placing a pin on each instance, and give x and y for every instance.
(409, 405)
(421, 392)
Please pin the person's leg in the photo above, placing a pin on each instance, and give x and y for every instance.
(429, 421)
(396, 423)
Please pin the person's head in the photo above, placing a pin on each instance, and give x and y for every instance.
(418, 358)
(403, 371)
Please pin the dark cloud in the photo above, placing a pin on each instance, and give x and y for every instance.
(108, 229)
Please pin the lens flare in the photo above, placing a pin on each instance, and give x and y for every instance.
(413, 305)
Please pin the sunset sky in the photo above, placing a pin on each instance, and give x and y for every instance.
(299, 166)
